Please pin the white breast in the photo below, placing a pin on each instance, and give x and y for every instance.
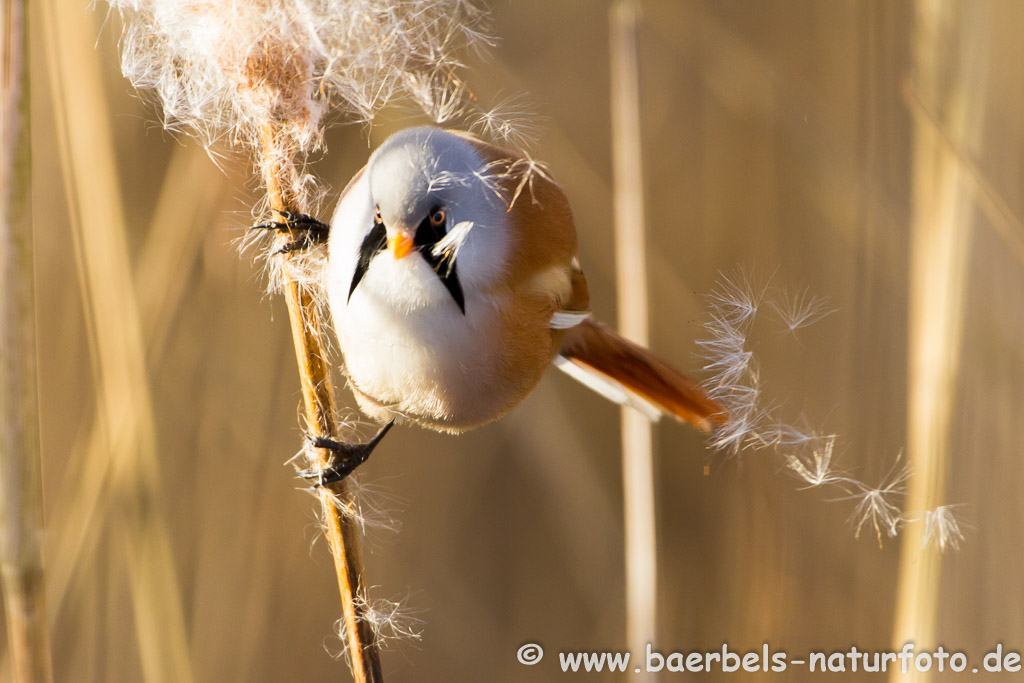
(405, 341)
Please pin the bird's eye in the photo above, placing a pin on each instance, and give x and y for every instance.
(437, 217)
(376, 215)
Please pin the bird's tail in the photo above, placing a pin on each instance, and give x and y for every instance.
(629, 374)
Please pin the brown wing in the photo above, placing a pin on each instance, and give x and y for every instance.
(543, 259)
(546, 236)
(601, 350)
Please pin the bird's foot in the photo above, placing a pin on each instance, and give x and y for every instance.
(347, 457)
(311, 232)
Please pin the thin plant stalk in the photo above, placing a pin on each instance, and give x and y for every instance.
(21, 490)
(261, 76)
(337, 506)
(172, 241)
(631, 283)
(940, 237)
(127, 467)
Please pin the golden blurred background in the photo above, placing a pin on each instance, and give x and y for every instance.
(870, 150)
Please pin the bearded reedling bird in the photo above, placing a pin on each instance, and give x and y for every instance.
(453, 281)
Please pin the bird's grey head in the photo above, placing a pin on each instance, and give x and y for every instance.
(431, 205)
(418, 170)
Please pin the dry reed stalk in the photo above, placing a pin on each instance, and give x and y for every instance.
(171, 243)
(21, 489)
(262, 75)
(336, 504)
(997, 210)
(941, 223)
(126, 471)
(174, 240)
(631, 284)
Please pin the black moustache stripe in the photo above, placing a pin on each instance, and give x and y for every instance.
(375, 242)
(427, 236)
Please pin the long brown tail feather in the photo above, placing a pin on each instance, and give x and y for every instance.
(598, 348)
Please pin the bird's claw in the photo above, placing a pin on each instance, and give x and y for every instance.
(347, 457)
(312, 231)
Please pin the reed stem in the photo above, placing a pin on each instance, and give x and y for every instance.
(631, 283)
(124, 475)
(940, 241)
(21, 489)
(318, 399)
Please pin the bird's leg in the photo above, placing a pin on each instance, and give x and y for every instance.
(313, 232)
(347, 457)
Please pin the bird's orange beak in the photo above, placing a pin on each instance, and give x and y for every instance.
(400, 244)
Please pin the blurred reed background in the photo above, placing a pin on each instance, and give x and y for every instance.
(869, 150)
